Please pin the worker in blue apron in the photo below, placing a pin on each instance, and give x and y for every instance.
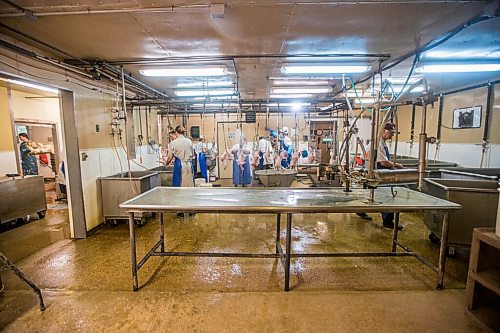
(241, 164)
(200, 166)
(286, 146)
(181, 151)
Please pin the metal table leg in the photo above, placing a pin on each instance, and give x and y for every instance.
(395, 232)
(133, 255)
(162, 234)
(278, 230)
(442, 250)
(288, 250)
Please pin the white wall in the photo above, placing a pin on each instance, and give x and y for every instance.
(102, 162)
(466, 155)
(7, 162)
(24, 106)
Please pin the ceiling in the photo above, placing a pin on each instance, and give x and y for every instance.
(253, 40)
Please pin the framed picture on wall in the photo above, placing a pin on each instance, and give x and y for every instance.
(469, 117)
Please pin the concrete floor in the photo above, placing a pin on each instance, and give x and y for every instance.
(87, 283)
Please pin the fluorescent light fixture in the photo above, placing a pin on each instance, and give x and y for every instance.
(350, 93)
(195, 93)
(321, 90)
(288, 104)
(305, 78)
(296, 106)
(185, 71)
(416, 89)
(328, 69)
(224, 97)
(365, 100)
(283, 82)
(209, 84)
(207, 105)
(463, 54)
(290, 96)
(401, 81)
(458, 68)
(31, 85)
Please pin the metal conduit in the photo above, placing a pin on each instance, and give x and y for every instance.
(172, 9)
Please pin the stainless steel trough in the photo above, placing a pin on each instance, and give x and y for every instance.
(276, 178)
(479, 200)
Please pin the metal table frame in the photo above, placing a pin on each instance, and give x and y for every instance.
(285, 255)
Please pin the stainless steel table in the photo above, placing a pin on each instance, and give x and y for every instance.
(284, 201)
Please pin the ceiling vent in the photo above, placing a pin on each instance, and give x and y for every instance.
(218, 10)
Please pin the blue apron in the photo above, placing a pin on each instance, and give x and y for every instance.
(284, 163)
(288, 150)
(261, 160)
(177, 177)
(380, 166)
(241, 177)
(203, 165)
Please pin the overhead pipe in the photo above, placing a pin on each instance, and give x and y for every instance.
(433, 43)
(422, 142)
(450, 92)
(412, 126)
(83, 62)
(347, 129)
(88, 11)
(489, 101)
(135, 81)
(66, 66)
(231, 57)
(176, 8)
(33, 55)
(422, 147)
(440, 117)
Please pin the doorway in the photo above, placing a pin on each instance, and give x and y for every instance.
(324, 138)
(39, 115)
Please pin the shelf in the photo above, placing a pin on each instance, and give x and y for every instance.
(486, 316)
(489, 279)
(488, 236)
(483, 282)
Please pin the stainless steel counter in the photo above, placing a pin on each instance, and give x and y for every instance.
(303, 200)
(284, 201)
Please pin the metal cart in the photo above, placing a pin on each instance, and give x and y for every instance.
(21, 196)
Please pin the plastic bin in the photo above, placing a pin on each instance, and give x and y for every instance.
(479, 200)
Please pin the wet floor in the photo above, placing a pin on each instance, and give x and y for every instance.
(87, 283)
